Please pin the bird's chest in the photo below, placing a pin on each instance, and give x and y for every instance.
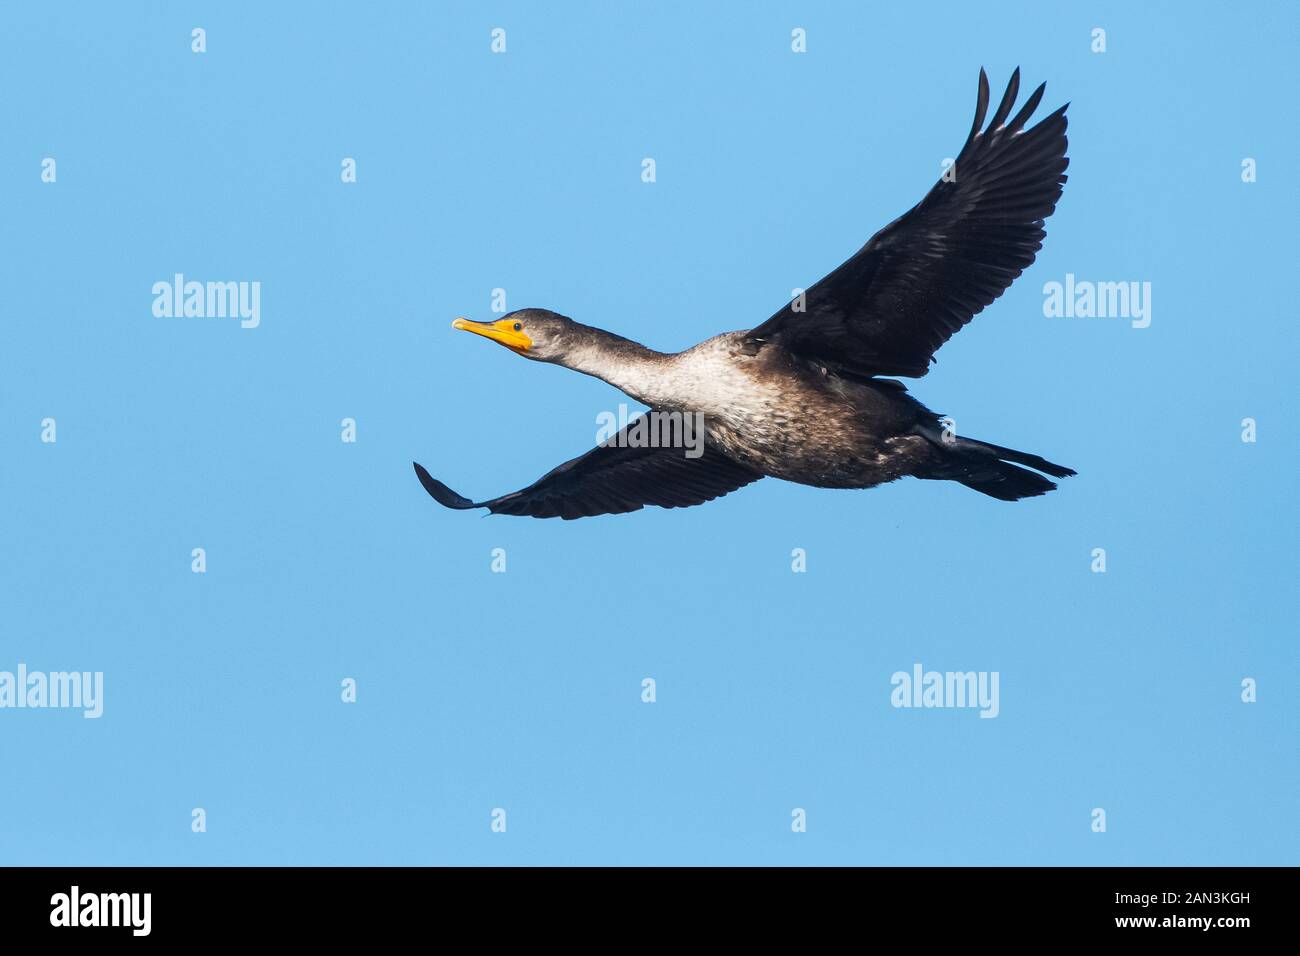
(704, 380)
(773, 418)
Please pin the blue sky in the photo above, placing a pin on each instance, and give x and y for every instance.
(522, 690)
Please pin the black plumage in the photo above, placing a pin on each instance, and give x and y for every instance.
(917, 281)
(612, 478)
(800, 397)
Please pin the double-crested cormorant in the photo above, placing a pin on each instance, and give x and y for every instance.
(800, 397)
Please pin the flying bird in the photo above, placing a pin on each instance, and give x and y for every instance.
(810, 395)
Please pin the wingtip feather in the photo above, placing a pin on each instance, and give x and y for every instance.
(1026, 111)
(981, 105)
(440, 492)
(1008, 100)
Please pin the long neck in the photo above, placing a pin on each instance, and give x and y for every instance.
(625, 364)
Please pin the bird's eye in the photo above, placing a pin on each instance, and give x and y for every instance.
(518, 327)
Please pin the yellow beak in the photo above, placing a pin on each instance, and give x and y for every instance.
(502, 331)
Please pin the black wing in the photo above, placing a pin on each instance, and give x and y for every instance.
(887, 310)
(612, 479)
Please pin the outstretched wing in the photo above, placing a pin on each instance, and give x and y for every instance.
(889, 308)
(613, 478)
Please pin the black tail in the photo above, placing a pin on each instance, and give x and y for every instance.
(988, 469)
(1007, 482)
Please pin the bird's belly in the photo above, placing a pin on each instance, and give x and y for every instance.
(785, 425)
(825, 449)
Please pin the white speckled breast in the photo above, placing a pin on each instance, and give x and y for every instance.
(778, 416)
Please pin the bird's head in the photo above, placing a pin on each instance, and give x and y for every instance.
(533, 333)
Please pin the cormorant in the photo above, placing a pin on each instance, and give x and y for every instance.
(801, 396)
